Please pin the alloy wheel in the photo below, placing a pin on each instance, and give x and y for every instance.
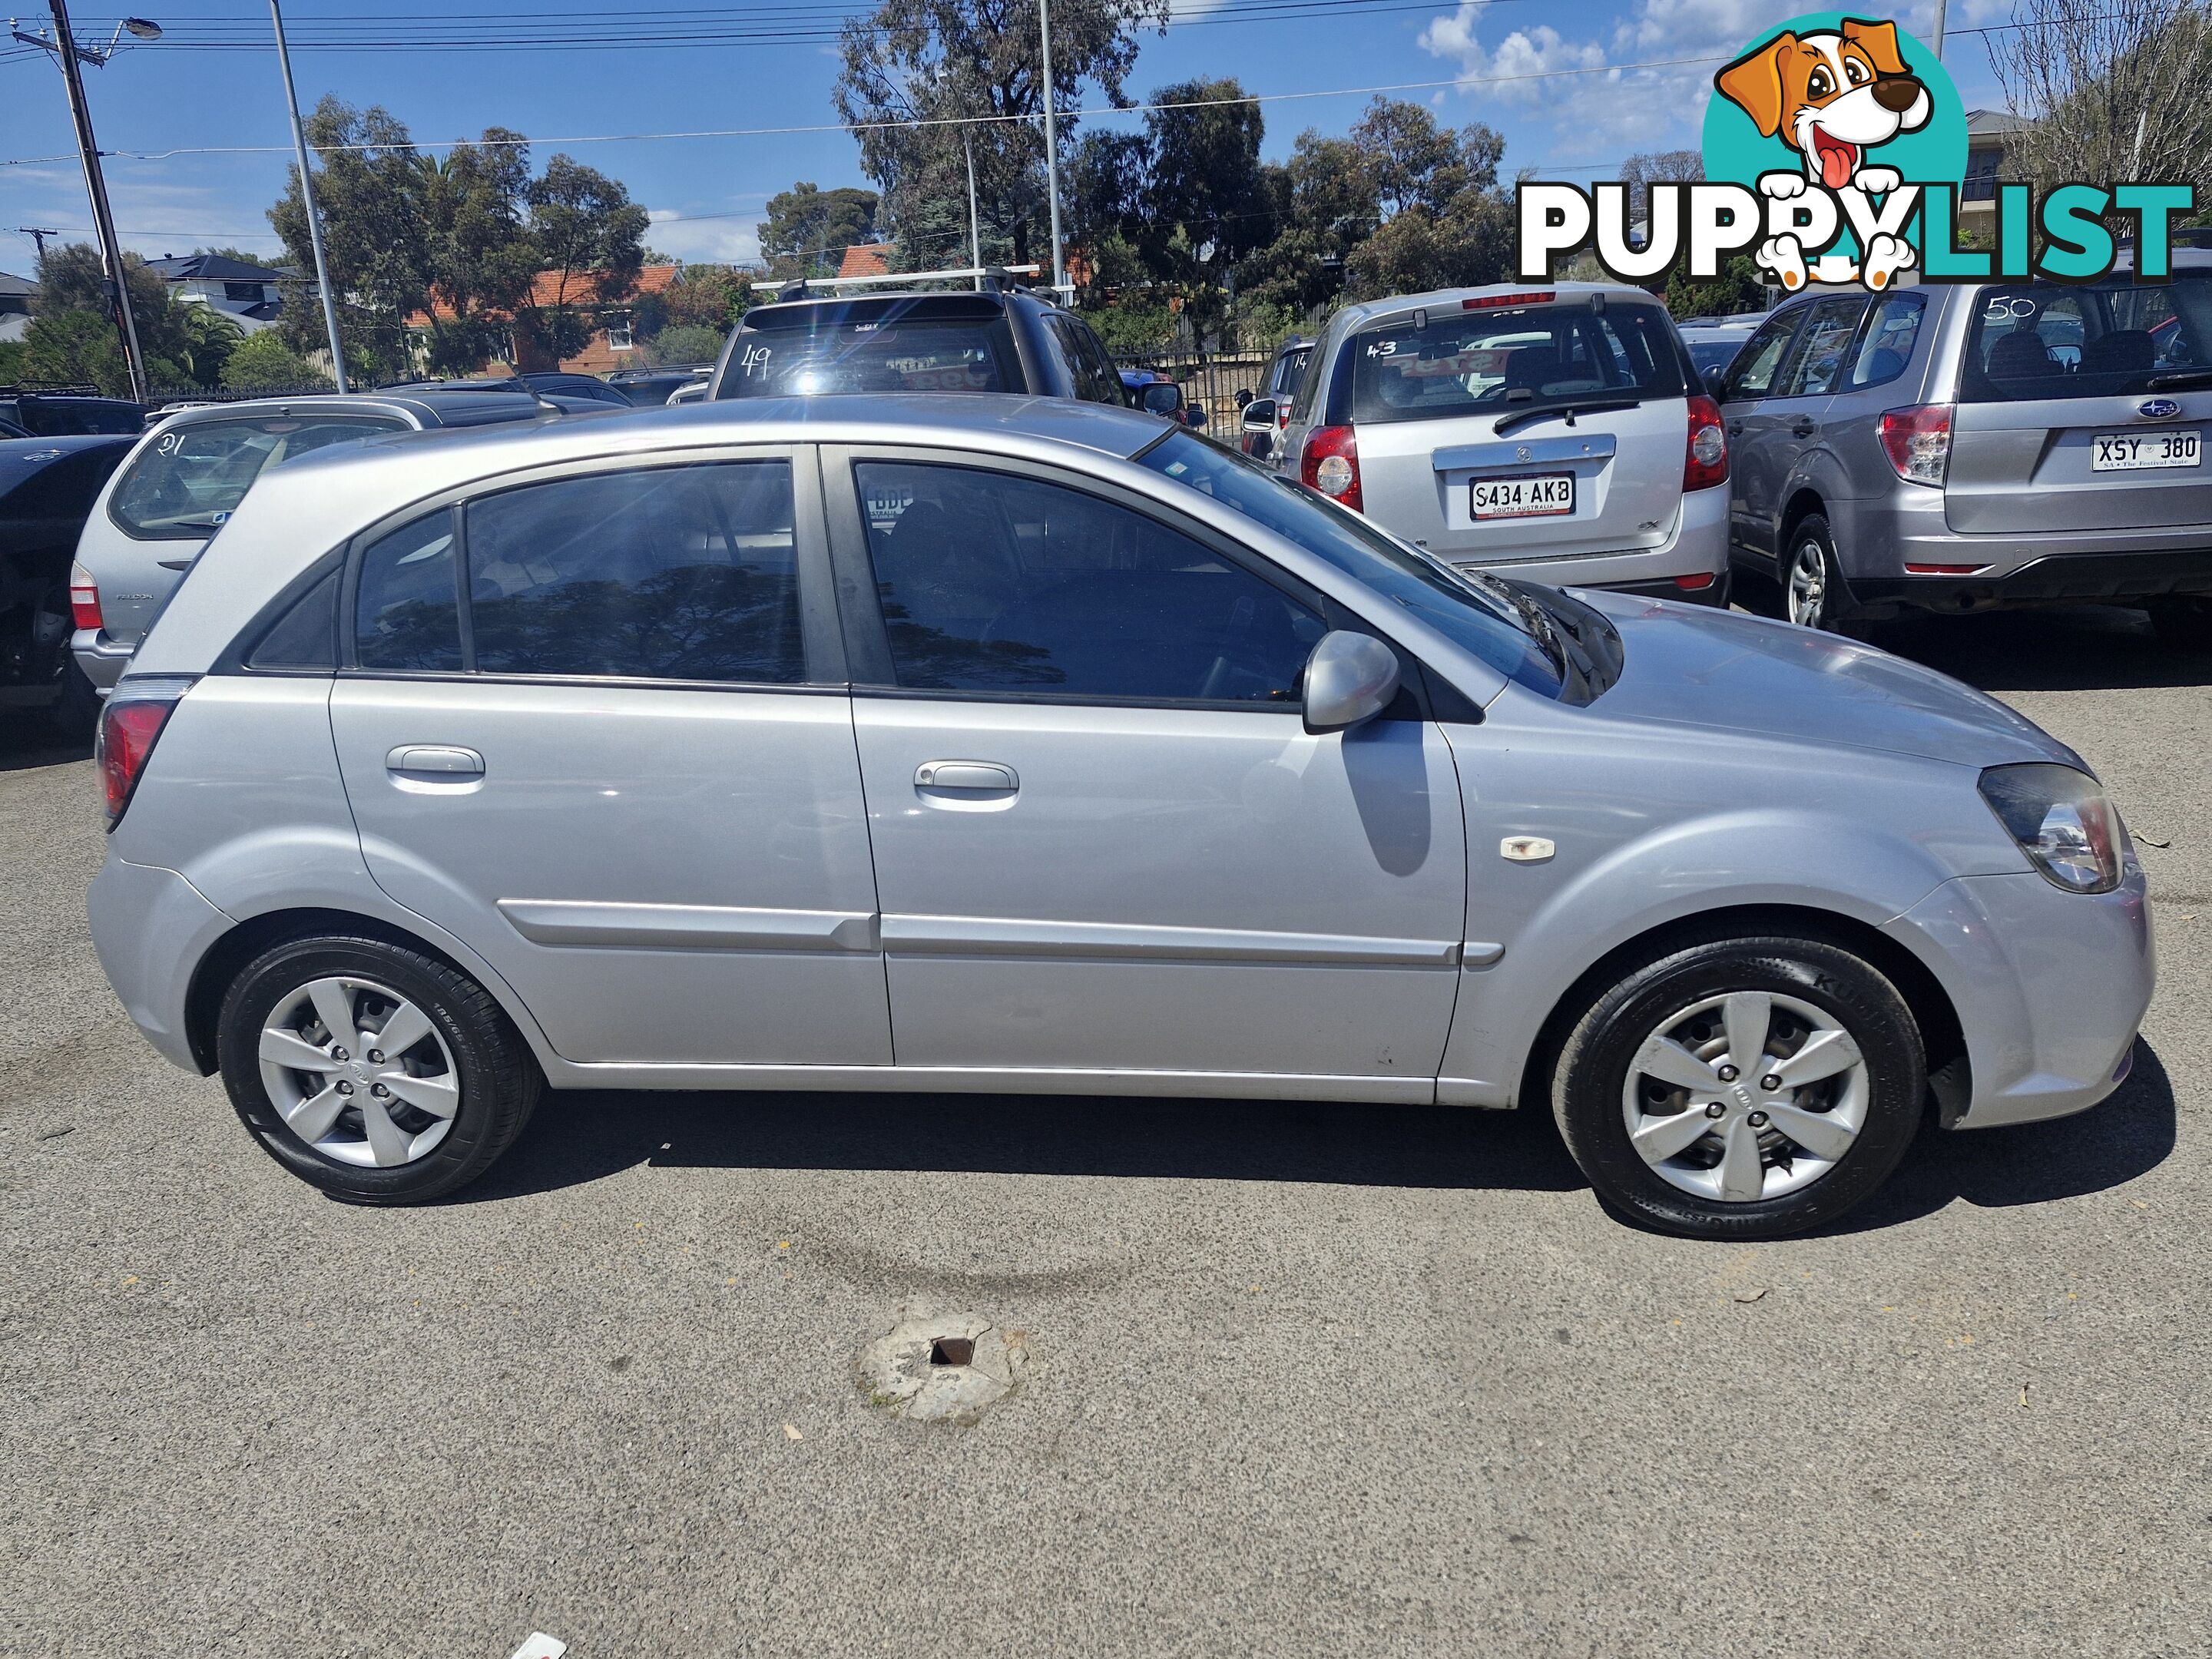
(1746, 1095)
(359, 1073)
(1806, 591)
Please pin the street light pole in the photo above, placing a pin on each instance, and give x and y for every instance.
(64, 49)
(308, 201)
(975, 235)
(1936, 39)
(1051, 149)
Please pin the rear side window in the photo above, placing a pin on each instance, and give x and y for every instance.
(2036, 340)
(996, 583)
(1472, 362)
(682, 573)
(407, 613)
(185, 483)
(1289, 369)
(921, 345)
(1886, 347)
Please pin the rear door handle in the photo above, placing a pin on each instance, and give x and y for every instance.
(972, 777)
(1803, 427)
(1736, 428)
(435, 760)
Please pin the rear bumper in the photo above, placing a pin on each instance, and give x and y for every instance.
(2077, 578)
(103, 659)
(150, 927)
(1698, 547)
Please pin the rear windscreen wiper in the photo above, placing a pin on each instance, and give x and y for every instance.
(1520, 417)
(2179, 379)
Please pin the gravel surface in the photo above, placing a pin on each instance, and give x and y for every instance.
(1301, 1379)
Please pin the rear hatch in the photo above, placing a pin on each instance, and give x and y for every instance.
(179, 488)
(2084, 409)
(1492, 432)
(890, 342)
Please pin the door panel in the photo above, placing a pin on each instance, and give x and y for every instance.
(662, 875)
(1166, 889)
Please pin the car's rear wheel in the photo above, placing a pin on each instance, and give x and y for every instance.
(1743, 1088)
(1813, 593)
(372, 1070)
(2184, 622)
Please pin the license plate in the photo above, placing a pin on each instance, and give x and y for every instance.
(2131, 451)
(1545, 494)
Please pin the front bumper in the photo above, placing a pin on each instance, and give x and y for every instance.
(102, 659)
(150, 928)
(2049, 988)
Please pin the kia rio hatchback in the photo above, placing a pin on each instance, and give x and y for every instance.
(1020, 745)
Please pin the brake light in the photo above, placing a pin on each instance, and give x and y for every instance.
(1918, 442)
(84, 600)
(1330, 462)
(1945, 569)
(130, 724)
(1704, 462)
(1491, 301)
(1695, 584)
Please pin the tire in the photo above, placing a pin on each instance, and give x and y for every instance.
(1808, 988)
(2184, 622)
(460, 1091)
(1811, 584)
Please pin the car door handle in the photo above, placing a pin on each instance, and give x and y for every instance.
(435, 760)
(174, 564)
(1736, 428)
(1803, 427)
(973, 777)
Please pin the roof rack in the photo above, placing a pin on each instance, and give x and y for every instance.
(989, 278)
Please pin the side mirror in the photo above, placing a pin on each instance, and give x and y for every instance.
(1350, 678)
(1162, 399)
(1193, 415)
(1716, 379)
(1243, 396)
(1259, 415)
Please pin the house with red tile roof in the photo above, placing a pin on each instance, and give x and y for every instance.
(866, 260)
(612, 342)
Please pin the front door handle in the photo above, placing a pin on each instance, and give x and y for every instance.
(968, 777)
(1803, 427)
(435, 760)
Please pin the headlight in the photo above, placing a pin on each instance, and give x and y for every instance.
(2062, 821)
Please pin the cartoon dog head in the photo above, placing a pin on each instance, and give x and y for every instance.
(1833, 94)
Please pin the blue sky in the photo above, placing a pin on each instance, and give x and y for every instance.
(1503, 62)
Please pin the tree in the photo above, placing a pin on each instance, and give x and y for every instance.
(264, 362)
(583, 228)
(976, 62)
(688, 343)
(2111, 92)
(72, 340)
(210, 337)
(1648, 167)
(807, 230)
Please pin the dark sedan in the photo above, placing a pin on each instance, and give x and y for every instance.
(47, 487)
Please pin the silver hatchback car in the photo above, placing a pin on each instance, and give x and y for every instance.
(1022, 745)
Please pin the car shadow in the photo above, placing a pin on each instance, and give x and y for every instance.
(2060, 648)
(2112, 1143)
(581, 1137)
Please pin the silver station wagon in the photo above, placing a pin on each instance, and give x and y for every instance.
(1021, 744)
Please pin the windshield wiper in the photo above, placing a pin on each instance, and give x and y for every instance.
(2178, 379)
(1520, 417)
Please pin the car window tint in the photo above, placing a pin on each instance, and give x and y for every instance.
(187, 481)
(1887, 346)
(406, 611)
(1437, 365)
(1817, 363)
(929, 342)
(682, 573)
(305, 635)
(996, 583)
(1105, 379)
(2033, 340)
(64, 488)
(1751, 373)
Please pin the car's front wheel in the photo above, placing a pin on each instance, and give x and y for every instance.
(1742, 1088)
(372, 1070)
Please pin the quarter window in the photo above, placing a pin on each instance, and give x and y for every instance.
(407, 614)
(682, 573)
(1818, 362)
(996, 583)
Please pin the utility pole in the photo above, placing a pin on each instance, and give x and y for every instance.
(1936, 39)
(308, 201)
(67, 52)
(1051, 149)
(975, 235)
(37, 235)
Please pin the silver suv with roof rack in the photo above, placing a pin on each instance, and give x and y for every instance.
(1555, 434)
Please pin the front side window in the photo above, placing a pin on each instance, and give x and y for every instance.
(2036, 340)
(187, 482)
(407, 613)
(1497, 360)
(1752, 374)
(680, 573)
(996, 583)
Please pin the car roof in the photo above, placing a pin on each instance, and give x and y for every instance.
(22, 448)
(431, 405)
(1444, 298)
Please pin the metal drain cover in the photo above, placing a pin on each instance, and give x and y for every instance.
(943, 1368)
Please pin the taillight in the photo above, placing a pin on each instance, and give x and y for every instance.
(84, 600)
(1330, 462)
(1704, 463)
(1918, 442)
(130, 723)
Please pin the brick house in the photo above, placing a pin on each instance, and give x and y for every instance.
(866, 260)
(612, 344)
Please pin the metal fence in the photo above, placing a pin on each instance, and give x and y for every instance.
(1211, 380)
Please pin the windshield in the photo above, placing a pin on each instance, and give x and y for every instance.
(933, 344)
(2033, 340)
(185, 483)
(1502, 360)
(1482, 617)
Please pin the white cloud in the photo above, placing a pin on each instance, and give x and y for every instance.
(705, 240)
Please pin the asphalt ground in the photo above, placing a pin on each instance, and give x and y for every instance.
(1303, 1379)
